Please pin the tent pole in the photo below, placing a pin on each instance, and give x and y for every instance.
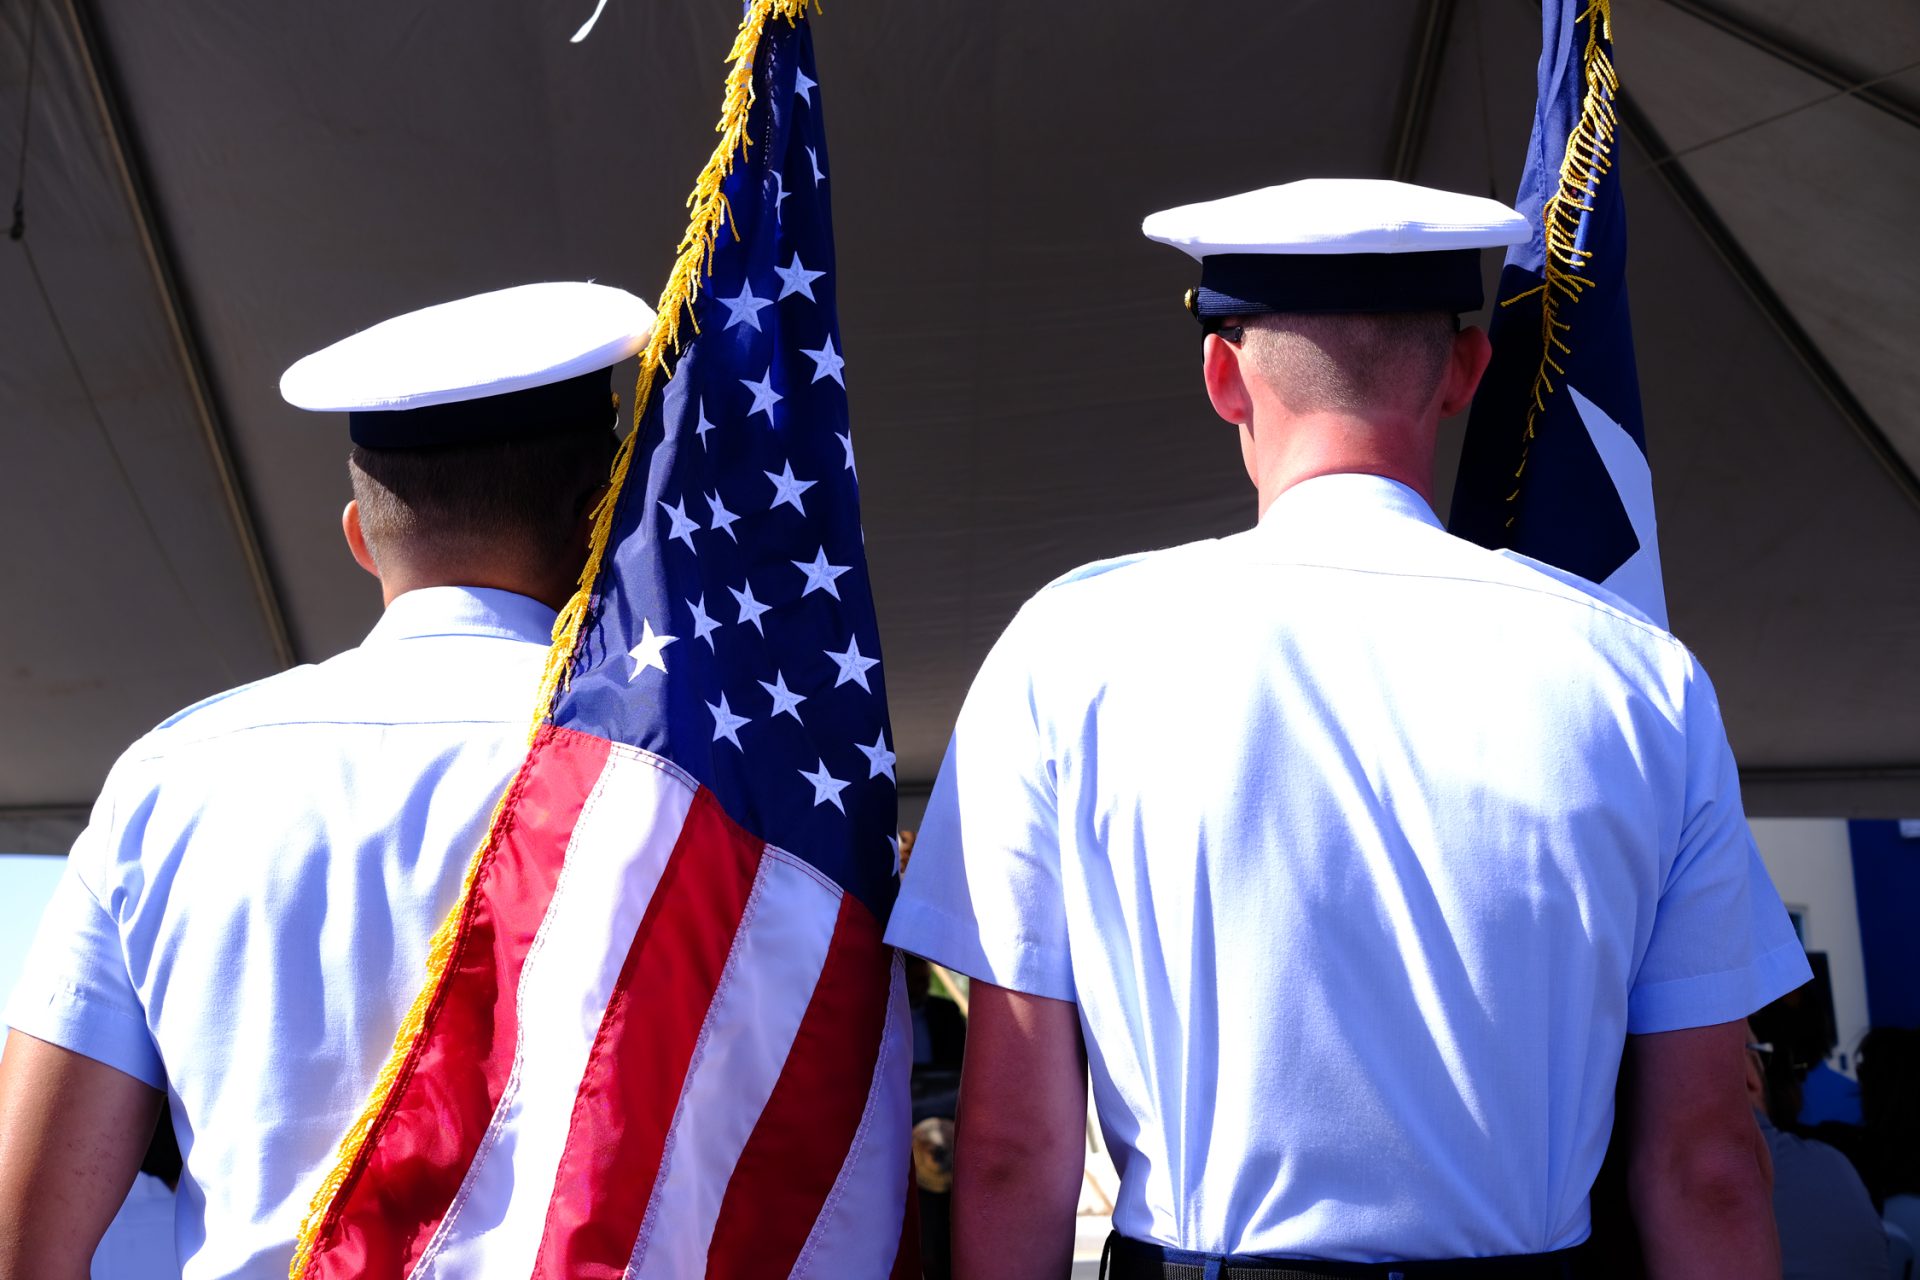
(1799, 59)
(155, 249)
(43, 829)
(1417, 89)
(45, 812)
(1867, 791)
(1748, 274)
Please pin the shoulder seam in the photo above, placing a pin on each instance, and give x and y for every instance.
(1112, 564)
(1571, 595)
(185, 738)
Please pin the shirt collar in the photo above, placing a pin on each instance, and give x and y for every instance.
(464, 611)
(1345, 497)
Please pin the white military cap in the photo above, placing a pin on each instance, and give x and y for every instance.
(515, 362)
(1337, 244)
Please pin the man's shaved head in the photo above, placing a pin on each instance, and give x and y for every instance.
(1350, 363)
(515, 502)
(1326, 394)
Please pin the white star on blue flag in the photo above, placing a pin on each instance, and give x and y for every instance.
(779, 707)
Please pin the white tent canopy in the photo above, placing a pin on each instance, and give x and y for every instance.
(213, 189)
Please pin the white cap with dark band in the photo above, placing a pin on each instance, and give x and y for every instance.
(1337, 245)
(516, 362)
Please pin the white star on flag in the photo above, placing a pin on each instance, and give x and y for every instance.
(818, 177)
(827, 363)
(787, 489)
(894, 841)
(780, 194)
(702, 426)
(785, 700)
(1638, 579)
(846, 442)
(803, 85)
(750, 609)
(853, 667)
(725, 723)
(743, 307)
(826, 787)
(820, 574)
(764, 396)
(797, 279)
(703, 626)
(879, 759)
(721, 519)
(647, 652)
(683, 524)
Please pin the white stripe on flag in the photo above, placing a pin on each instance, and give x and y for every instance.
(777, 956)
(618, 849)
(858, 1232)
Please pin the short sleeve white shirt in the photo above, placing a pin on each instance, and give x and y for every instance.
(246, 918)
(1361, 850)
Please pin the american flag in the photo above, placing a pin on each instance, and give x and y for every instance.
(670, 1041)
(1555, 460)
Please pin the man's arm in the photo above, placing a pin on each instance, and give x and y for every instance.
(1020, 1138)
(1698, 1174)
(72, 1134)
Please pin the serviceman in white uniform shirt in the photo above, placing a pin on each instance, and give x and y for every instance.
(1349, 855)
(246, 919)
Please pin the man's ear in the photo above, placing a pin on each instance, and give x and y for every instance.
(1756, 1084)
(1226, 385)
(1465, 363)
(590, 503)
(583, 522)
(357, 538)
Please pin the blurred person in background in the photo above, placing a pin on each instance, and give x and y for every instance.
(1828, 1227)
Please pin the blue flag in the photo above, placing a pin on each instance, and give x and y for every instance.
(733, 631)
(1555, 460)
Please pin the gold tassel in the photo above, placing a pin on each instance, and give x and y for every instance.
(709, 214)
(1589, 155)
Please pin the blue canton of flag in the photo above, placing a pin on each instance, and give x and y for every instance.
(1555, 460)
(733, 632)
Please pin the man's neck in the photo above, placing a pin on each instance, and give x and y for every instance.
(554, 595)
(1335, 444)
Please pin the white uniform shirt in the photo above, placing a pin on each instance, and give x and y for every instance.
(1361, 850)
(245, 920)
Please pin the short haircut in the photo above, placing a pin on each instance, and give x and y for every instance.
(1348, 362)
(520, 500)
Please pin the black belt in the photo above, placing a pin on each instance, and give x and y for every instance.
(1126, 1259)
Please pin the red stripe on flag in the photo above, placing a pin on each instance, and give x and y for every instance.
(631, 1087)
(790, 1163)
(907, 1262)
(416, 1155)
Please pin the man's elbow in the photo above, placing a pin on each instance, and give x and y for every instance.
(1721, 1177)
(1726, 1179)
(991, 1154)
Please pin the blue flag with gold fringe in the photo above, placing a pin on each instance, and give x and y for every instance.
(1555, 460)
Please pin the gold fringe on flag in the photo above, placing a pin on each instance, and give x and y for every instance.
(1588, 157)
(709, 215)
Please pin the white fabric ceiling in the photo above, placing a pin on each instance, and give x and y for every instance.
(214, 189)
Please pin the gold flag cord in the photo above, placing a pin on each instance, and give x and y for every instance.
(1589, 156)
(709, 215)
